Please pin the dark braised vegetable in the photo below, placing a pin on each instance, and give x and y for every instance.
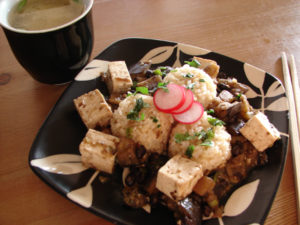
(231, 84)
(134, 198)
(151, 83)
(188, 211)
(139, 70)
(226, 96)
(126, 152)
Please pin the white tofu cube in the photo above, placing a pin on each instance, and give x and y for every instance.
(98, 150)
(93, 109)
(260, 132)
(178, 177)
(118, 79)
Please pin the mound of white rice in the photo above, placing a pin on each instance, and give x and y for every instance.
(210, 157)
(152, 132)
(197, 80)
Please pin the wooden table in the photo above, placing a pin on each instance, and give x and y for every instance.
(253, 31)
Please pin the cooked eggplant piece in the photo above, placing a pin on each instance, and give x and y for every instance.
(228, 111)
(209, 66)
(150, 83)
(129, 153)
(226, 96)
(191, 210)
(236, 169)
(231, 84)
(139, 70)
(234, 128)
(188, 211)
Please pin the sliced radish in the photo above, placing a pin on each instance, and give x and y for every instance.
(189, 99)
(190, 116)
(171, 100)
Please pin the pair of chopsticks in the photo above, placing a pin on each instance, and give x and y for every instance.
(292, 91)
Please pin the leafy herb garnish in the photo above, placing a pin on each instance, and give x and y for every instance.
(161, 71)
(193, 63)
(201, 80)
(158, 125)
(163, 86)
(134, 114)
(207, 142)
(182, 137)
(188, 75)
(210, 111)
(154, 119)
(238, 96)
(215, 122)
(189, 151)
(142, 90)
(142, 116)
(206, 137)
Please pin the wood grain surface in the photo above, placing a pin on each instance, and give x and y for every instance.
(252, 31)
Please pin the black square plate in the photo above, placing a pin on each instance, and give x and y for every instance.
(54, 155)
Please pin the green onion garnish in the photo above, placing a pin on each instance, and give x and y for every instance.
(193, 63)
(189, 151)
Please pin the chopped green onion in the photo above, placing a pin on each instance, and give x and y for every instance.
(142, 116)
(182, 137)
(210, 133)
(200, 135)
(201, 80)
(193, 63)
(189, 151)
(238, 96)
(174, 70)
(161, 71)
(158, 72)
(143, 90)
(188, 75)
(215, 122)
(210, 111)
(134, 114)
(154, 119)
(163, 86)
(207, 142)
(158, 125)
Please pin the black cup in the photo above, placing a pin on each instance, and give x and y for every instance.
(52, 56)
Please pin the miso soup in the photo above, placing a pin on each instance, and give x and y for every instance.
(44, 14)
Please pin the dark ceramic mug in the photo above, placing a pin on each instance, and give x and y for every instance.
(55, 55)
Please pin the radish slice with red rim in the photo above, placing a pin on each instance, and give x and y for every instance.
(171, 100)
(190, 116)
(189, 99)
